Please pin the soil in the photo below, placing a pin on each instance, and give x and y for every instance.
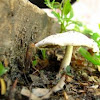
(83, 84)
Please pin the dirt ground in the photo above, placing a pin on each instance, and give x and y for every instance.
(83, 84)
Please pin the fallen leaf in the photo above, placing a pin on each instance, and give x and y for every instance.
(69, 79)
(3, 86)
(56, 88)
(39, 92)
(65, 95)
(94, 86)
(27, 93)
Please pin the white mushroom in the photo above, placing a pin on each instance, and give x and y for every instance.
(68, 39)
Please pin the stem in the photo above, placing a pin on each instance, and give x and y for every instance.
(63, 28)
(67, 58)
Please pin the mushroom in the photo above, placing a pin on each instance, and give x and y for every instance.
(68, 39)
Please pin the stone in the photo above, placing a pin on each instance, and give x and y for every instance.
(20, 24)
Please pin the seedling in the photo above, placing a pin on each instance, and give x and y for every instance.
(65, 13)
(43, 51)
(95, 59)
(68, 70)
(34, 63)
(3, 70)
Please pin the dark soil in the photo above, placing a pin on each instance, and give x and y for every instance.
(81, 85)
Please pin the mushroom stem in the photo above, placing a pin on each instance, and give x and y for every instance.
(67, 59)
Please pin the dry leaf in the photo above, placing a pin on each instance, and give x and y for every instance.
(39, 92)
(56, 88)
(27, 93)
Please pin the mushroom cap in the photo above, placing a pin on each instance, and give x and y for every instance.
(68, 38)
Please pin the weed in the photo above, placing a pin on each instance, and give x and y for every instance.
(3, 70)
(65, 13)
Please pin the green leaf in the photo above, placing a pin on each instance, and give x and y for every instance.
(43, 51)
(34, 63)
(96, 38)
(77, 28)
(71, 14)
(57, 15)
(66, 7)
(56, 5)
(53, 5)
(93, 59)
(87, 30)
(69, 74)
(49, 4)
(78, 23)
(3, 70)
(68, 70)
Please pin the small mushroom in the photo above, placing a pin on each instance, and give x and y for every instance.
(68, 39)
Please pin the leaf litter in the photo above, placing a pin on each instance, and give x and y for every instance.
(42, 83)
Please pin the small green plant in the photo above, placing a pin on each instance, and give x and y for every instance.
(3, 70)
(63, 12)
(68, 70)
(43, 51)
(44, 56)
(35, 61)
(95, 59)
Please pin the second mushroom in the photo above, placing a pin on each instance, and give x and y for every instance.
(68, 39)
